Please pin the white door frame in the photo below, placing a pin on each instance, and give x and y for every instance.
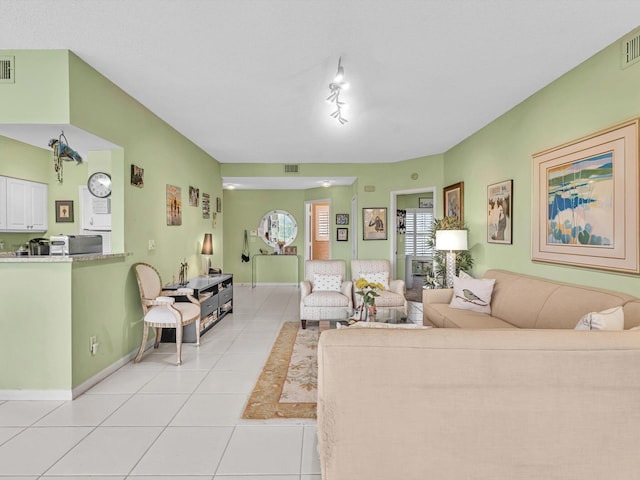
(394, 207)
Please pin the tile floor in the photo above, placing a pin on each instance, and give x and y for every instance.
(156, 420)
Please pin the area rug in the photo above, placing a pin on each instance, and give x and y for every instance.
(288, 384)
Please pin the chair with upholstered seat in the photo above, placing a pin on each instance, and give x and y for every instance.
(380, 271)
(325, 293)
(162, 311)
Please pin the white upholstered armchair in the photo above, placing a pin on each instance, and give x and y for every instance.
(377, 270)
(325, 292)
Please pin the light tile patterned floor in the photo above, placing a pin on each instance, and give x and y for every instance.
(157, 421)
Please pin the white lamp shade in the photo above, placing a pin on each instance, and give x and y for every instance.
(451, 240)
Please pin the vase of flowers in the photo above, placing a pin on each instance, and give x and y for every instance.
(368, 291)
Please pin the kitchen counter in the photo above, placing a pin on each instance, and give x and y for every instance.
(10, 257)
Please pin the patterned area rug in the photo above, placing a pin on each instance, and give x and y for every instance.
(287, 386)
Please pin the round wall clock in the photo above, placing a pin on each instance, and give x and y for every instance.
(99, 184)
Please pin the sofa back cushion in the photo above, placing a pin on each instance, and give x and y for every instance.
(531, 302)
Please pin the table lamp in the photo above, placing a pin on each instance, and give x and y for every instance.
(207, 250)
(450, 241)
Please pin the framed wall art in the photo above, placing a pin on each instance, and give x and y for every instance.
(174, 205)
(137, 176)
(342, 219)
(64, 211)
(218, 204)
(206, 205)
(585, 202)
(425, 202)
(342, 234)
(194, 196)
(453, 196)
(374, 224)
(499, 212)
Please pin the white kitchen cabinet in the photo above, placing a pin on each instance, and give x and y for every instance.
(95, 212)
(26, 208)
(3, 203)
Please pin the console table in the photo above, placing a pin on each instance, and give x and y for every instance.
(254, 266)
(215, 293)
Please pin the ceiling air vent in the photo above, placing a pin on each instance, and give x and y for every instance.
(7, 73)
(630, 49)
(292, 168)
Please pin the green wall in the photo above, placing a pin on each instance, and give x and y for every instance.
(101, 297)
(245, 208)
(595, 95)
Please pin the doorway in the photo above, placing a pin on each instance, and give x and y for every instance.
(318, 230)
(420, 205)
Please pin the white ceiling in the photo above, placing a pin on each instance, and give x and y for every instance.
(246, 80)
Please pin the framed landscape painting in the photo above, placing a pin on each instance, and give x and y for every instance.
(454, 201)
(500, 212)
(586, 202)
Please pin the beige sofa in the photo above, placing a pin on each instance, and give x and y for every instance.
(523, 301)
(489, 403)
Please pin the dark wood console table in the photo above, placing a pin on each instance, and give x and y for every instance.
(215, 293)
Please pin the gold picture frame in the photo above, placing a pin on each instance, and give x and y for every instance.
(585, 202)
(453, 201)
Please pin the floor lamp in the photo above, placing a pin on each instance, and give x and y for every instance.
(451, 241)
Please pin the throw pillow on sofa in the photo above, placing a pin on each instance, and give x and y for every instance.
(611, 319)
(472, 294)
(324, 283)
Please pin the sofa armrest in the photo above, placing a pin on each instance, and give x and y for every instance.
(305, 288)
(437, 295)
(397, 286)
(345, 289)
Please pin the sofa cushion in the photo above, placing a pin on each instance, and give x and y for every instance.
(326, 299)
(472, 294)
(441, 315)
(610, 319)
(325, 282)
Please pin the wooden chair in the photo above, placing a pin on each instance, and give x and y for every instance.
(162, 311)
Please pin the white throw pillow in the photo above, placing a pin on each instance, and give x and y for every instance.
(611, 319)
(377, 277)
(472, 294)
(327, 283)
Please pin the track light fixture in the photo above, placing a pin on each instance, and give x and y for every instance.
(336, 88)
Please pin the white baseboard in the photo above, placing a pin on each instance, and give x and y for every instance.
(75, 392)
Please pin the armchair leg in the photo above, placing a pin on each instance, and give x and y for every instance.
(179, 343)
(158, 337)
(304, 324)
(145, 334)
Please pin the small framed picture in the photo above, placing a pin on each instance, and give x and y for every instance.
(137, 176)
(342, 219)
(64, 211)
(342, 234)
(218, 204)
(424, 202)
(291, 250)
(194, 196)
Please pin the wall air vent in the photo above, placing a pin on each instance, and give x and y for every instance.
(291, 168)
(630, 49)
(7, 72)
